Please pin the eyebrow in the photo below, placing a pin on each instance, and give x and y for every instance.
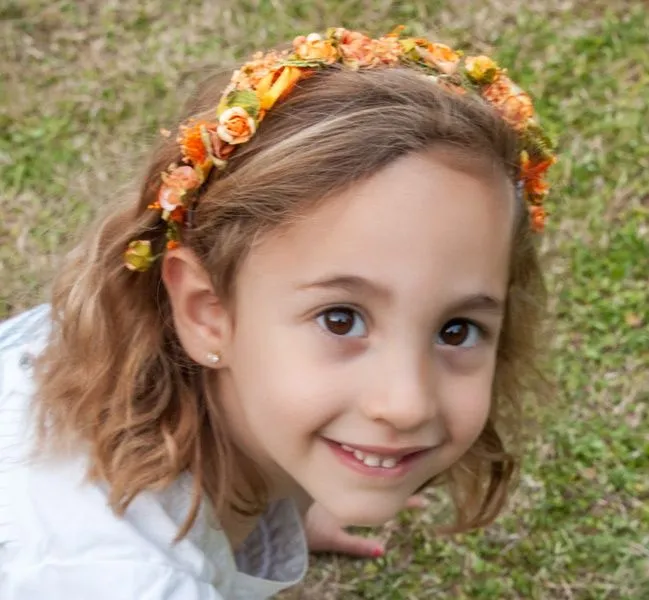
(357, 284)
(351, 283)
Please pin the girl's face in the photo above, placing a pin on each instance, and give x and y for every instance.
(362, 356)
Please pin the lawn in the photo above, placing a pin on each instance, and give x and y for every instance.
(86, 85)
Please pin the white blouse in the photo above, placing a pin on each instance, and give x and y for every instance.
(59, 539)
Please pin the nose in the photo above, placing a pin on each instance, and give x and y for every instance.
(402, 395)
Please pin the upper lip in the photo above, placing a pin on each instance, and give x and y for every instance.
(386, 450)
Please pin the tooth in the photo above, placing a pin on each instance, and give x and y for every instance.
(346, 448)
(359, 455)
(371, 460)
(389, 463)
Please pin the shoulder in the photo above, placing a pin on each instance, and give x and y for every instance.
(21, 339)
(25, 328)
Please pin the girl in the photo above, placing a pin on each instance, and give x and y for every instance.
(324, 296)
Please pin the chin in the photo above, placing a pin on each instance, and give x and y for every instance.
(365, 513)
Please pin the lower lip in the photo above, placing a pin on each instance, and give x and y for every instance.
(405, 465)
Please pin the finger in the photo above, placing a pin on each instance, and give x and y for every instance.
(417, 501)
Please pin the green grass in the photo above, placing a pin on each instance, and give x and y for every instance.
(88, 84)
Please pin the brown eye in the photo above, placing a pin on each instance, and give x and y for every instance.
(459, 332)
(343, 322)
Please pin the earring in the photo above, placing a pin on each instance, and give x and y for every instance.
(213, 358)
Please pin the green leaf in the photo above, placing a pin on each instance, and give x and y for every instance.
(245, 99)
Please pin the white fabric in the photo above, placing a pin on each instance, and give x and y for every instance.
(59, 540)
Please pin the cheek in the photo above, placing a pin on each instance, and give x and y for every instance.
(278, 373)
(466, 408)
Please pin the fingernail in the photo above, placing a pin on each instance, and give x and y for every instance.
(378, 552)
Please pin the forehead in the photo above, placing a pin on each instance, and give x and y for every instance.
(415, 224)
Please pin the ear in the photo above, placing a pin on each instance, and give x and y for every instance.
(202, 323)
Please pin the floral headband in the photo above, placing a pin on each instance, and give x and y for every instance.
(267, 78)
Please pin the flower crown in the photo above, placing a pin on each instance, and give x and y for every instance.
(259, 84)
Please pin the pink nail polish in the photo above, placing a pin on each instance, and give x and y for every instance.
(378, 552)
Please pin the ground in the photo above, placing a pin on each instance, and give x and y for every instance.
(85, 87)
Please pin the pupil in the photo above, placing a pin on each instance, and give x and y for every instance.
(340, 322)
(455, 333)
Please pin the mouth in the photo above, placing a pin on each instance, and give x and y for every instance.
(378, 459)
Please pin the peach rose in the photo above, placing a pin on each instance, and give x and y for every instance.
(176, 183)
(236, 126)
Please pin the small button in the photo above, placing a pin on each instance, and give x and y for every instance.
(26, 361)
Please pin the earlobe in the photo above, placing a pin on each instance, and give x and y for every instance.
(201, 320)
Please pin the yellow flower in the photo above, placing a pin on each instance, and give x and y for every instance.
(236, 126)
(481, 69)
(313, 47)
(278, 84)
(138, 256)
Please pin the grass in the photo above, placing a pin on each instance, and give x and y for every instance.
(86, 87)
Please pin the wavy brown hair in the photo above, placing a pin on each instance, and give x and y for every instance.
(114, 374)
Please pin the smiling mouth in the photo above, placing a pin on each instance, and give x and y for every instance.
(382, 458)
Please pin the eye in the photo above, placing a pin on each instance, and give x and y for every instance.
(342, 321)
(460, 333)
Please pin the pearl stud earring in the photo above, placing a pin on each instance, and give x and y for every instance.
(213, 358)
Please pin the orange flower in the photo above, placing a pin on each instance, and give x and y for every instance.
(357, 49)
(173, 244)
(313, 47)
(191, 141)
(387, 50)
(440, 56)
(532, 175)
(537, 218)
(236, 126)
(481, 69)
(512, 103)
(178, 214)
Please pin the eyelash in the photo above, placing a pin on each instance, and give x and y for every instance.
(342, 308)
(484, 333)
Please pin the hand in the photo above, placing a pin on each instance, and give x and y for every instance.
(325, 534)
